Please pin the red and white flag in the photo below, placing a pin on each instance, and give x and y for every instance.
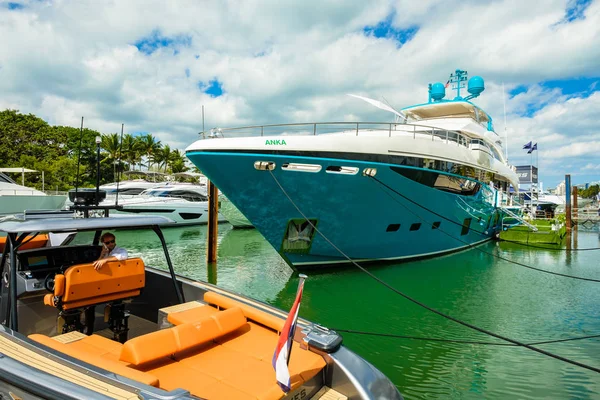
(281, 357)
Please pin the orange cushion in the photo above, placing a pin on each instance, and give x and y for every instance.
(49, 299)
(191, 315)
(149, 347)
(255, 341)
(35, 243)
(250, 312)
(59, 285)
(193, 334)
(90, 358)
(84, 283)
(166, 342)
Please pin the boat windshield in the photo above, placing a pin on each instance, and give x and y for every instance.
(453, 109)
(188, 195)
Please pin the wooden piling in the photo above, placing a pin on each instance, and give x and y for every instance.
(213, 226)
(574, 209)
(568, 202)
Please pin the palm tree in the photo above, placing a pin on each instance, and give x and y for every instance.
(132, 150)
(177, 162)
(111, 146)
(149, 146)
(163, 156)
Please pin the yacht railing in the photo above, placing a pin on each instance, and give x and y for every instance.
(353, 128)
(19, 192)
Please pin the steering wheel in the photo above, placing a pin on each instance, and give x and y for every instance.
(49, 282)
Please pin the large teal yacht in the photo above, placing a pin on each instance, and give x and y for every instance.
(430, 182)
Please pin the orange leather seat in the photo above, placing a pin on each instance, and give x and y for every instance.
(81, 285)
(35, 243)
(191, 315)
(97, 360)
(253, 314)
(165, 343)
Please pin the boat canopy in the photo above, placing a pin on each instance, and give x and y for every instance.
(18, 224)
(449, 109)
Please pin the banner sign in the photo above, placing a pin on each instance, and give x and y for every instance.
(527, 174)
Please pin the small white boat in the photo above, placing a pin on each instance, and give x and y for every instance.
(15, 198)
(184, 203)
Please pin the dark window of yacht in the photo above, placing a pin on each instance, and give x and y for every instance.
(392, 227)
(447, 183)
(187, 195)
(415, 226)
(465, 226)
(132, 191)
(435, 225)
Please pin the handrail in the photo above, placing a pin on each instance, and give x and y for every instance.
(518, 218)
(354, 128)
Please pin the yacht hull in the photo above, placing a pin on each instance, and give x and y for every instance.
(382, 218)
(18, 203)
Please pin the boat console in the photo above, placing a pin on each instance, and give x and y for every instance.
(37, 266)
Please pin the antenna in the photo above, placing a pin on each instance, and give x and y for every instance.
(119, 164)
(505, 133)
(458, 78)
(78, 158)
(202, 120)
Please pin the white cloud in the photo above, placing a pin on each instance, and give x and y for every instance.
(294, 62)
(591, 167)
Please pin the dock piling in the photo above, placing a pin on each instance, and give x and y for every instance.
(213, 227)
(568, 201)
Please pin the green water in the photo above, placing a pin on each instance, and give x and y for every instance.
(480, 289)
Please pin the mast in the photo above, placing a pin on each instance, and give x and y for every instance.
(505, 133)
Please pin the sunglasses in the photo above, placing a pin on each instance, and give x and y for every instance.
(109, 241)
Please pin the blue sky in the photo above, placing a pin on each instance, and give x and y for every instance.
(264, 62)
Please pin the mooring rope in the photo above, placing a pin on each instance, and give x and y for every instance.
(460, 341)
(415, 301)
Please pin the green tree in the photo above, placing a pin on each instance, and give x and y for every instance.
(590, 192)
(177, 162)
(81, 147)
(28, 135)
(132, 150)
(149, 147)
(111, 146)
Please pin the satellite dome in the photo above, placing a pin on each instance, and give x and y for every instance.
(476, 85)
(438, 91)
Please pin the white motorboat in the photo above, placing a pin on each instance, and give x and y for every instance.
(15, 198)
(184, 203)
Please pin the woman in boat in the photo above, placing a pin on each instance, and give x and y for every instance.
(110, 251)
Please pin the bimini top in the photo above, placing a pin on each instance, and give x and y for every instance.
(19, 224)
(458, 107)
(450, 109)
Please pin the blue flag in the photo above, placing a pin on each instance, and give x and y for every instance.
(527, 146)
(532, 149)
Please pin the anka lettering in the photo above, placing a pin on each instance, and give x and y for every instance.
(275, 142)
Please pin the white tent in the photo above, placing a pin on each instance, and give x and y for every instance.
(22, 170)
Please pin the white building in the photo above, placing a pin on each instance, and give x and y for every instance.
(561, 189)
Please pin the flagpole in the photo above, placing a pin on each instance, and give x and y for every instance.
(505, 134)
(302, 277)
